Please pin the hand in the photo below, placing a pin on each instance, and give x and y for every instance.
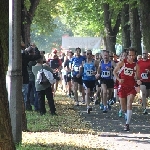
(139, 82)
(97, 76)
(78, 75)
(121, 81)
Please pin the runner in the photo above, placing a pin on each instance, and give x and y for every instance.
(126, 78)
(107, 84)
(144, 78)
(89, 70)
(77, 77)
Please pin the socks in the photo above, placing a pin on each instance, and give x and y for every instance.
(129, 114)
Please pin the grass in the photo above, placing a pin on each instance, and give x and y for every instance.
(67, 131)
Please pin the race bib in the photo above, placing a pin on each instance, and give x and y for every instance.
(128, 71)
(89, 72)
(144, 76)
(105, 74)
(76, 68)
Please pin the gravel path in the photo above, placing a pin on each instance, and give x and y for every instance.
(109, 128)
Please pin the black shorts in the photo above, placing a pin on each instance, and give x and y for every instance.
(147, 84)
(78, 80)
(56, 76)
(67, 78)
(109, 82)
(89, 84)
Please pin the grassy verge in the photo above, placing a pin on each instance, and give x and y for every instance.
(67, 131)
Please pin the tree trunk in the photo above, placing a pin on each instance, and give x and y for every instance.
(135, 34)
(126, 42)
(6, 138)
(111, 32)
(27, 17)
(145, 22)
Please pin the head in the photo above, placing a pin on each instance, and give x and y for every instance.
(30, 50)
(42, 53)
(139, 57)
(89, 54)
(145, 54)
(78, 51)
(70, 54)
(40, 60)
(131, 54)
(33, 45)
(105, 55)
(84, 53)
(123, 55)
(54, 56)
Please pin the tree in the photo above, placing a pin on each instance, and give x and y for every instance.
(6, 138)
(135, 32)
(145, 22)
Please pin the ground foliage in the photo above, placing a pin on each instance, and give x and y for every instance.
(67, 131)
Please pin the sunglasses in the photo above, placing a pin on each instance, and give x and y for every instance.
(110, 56)
(89, 53)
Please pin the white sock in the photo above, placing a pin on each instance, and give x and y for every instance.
(129, 114)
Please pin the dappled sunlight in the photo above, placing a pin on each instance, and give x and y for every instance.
(48, 138)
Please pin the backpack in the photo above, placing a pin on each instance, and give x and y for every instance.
(44, 79)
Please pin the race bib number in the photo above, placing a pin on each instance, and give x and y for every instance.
(105, 74)
(128, 71)
(89, 72)
(144, 76)
(76, 68)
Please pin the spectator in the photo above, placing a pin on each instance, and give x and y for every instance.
(43, 89)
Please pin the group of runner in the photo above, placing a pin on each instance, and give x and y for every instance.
(105, 80)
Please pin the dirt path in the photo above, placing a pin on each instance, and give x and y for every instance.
(109, 128)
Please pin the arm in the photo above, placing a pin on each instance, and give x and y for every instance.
(116, 69)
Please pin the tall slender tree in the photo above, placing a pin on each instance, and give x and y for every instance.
(6, 138)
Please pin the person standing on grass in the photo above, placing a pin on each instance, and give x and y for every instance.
(43, 89)
(88, 70)
(144, 78)
(126, 77)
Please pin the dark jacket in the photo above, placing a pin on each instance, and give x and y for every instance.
(26, 58)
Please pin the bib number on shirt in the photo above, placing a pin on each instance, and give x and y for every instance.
(76, 68)
(144, 76)
(105, 74)
(128, 71)
(89, 72)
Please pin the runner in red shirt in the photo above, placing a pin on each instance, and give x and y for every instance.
(127, 83)
(144, 78)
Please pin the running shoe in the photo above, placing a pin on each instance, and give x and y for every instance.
(89, 110)
(120, 113)
(105, 109)
(126, 128)
(145, 112)
(101, 106)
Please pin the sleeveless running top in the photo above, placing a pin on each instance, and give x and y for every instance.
(105, 73)
(127, 72)
(76, 63)
(143, 65)
(88, 70)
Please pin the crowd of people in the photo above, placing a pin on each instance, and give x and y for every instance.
(102, 79)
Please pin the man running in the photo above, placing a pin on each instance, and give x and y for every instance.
(144, 78)
(89, 71)
(127, 83)
(77, 77)
(105, 69)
